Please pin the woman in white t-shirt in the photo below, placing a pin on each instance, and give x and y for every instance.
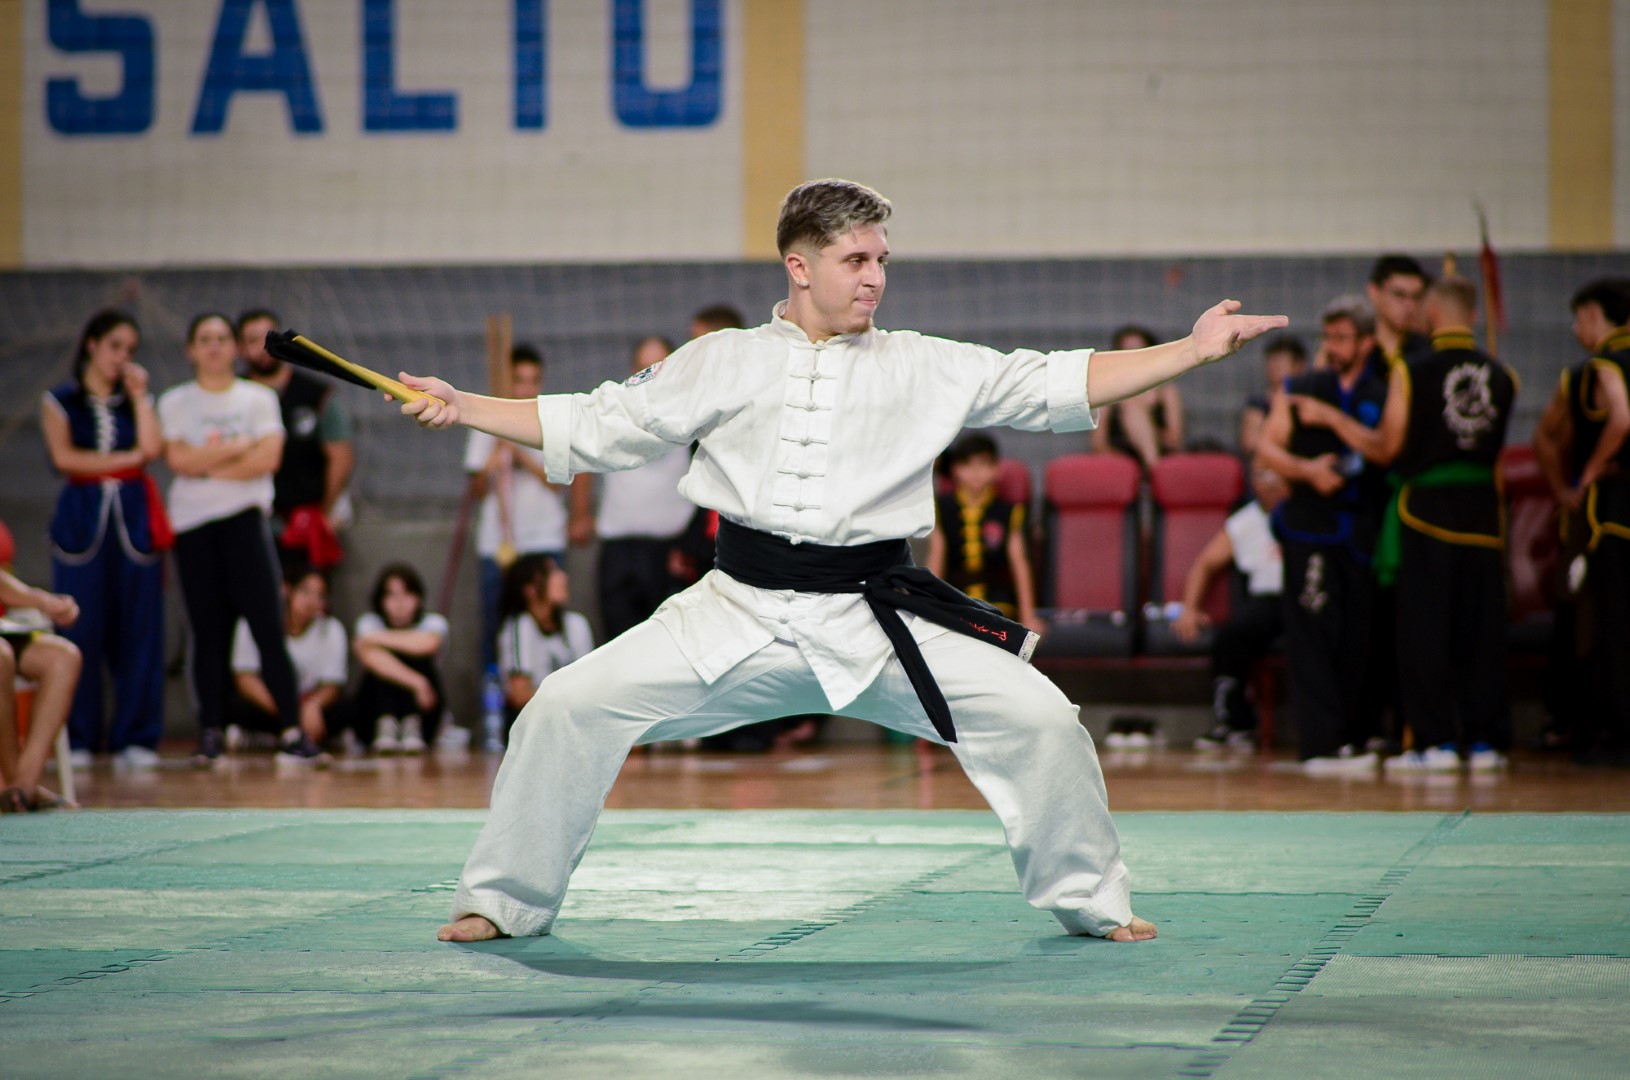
(224, 440)
(398, 642)
(316, 643)
(538, 636)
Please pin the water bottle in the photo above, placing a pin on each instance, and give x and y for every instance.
(492, 711)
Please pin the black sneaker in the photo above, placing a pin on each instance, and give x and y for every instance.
(211, 745)
(301, 751)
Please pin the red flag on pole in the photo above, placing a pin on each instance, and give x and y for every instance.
(1493, 301)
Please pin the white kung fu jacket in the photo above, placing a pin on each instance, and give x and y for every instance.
(828, 443)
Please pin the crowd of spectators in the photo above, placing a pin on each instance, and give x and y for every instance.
(1369, 550)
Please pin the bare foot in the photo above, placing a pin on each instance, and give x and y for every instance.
(1136, 930)
(472, 928)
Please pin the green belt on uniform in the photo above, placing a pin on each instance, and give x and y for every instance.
(1389, 544)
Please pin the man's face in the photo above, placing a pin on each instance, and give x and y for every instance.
(1281, 365)
(1344, 346)
(252, 345)
(649, 352)
(525, 380)
(846, 280)
(1397, 301)
(1590, 325)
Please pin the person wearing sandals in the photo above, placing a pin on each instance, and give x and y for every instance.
(51, 662)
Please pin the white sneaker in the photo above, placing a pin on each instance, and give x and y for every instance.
(350, 745)
(1434, 759)
(1486, 759)
(388, 739)
(81, 759)
(412, 739)
(135, 757)
(1344, 762)
(236, 739)
(452, 737)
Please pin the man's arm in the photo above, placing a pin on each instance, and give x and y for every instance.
(1117, 375)
(261, 459)
(1024, 582)
(1213, 559)
(1611, 398)
(1273, 452)
(515, 419)
(1553, 438)
(1380, 444)
(252, 688)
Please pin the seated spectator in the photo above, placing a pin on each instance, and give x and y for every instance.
(399, 702)
(1283, 357)
(978, 542)
(1246, 543)
(1146, 427)
(538, 636)
(316, 643)
(51, 663)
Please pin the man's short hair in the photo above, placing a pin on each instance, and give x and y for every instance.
(718, 317)
(820, 211)
(1355, 309)
(1456, 291)
(254, 315)
(1611, 294)
(1390, 266)
(1289, 344)
(1137, 330)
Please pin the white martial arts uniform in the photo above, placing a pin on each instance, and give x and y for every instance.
(829, 443)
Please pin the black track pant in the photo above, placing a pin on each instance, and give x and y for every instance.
(1607, 587)
(229, 572)
(1326, 602)
(1239, 644)
(634, 580)
(1452, 642)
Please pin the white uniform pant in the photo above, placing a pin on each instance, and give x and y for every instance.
(1019, 740)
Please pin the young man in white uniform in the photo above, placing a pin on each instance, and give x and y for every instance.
(819, 429)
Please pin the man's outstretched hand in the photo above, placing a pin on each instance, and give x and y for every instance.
(1222, 330)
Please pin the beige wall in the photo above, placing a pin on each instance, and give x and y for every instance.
(1034, 127)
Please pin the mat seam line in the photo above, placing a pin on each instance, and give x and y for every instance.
(1250, 1021)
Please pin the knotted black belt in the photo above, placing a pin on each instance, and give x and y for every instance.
(881, 571)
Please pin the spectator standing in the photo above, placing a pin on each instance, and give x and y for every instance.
(1327, 532)
(641, 519)
(1396, 290)
(316, 644)
(521, 513)
(539, 635)
(1444, 536)
(108, 537)
(398, 643)
(311, 499)
(223, 441)
(1284, 357)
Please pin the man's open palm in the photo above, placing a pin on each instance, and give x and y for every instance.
(1221, 330)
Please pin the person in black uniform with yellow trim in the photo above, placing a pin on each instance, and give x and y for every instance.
(1567, 437)
(1326, 530)
(1602, 493)
(978, 542)
(1443, 539)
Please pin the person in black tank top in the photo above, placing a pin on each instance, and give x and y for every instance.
(1326, 529)
(1600, 500)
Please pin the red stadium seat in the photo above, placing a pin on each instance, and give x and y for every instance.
(1193, 496)
(1092, 579)
(1013, 482)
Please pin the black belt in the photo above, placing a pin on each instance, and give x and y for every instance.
(883, 573)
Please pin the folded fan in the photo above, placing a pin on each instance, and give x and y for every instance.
(291, 348)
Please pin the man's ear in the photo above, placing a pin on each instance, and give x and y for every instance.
(797, 267)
